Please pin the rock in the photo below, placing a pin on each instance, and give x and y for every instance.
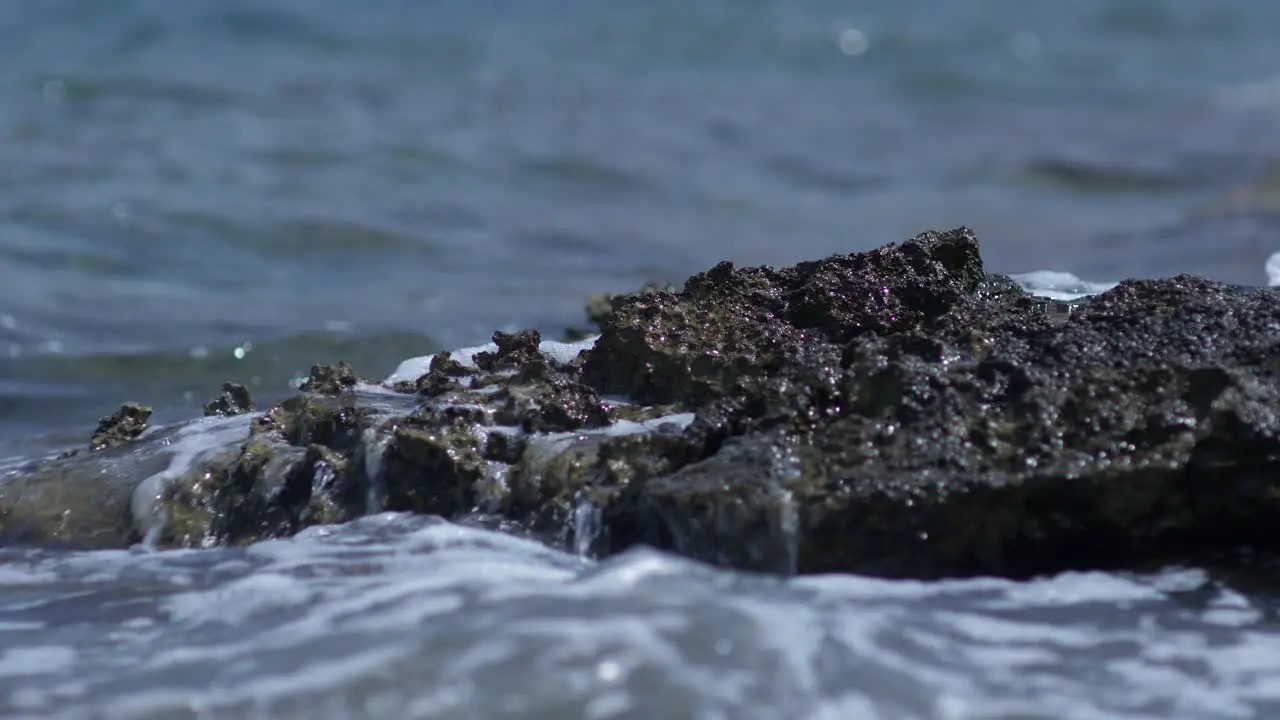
(330, 379)
(233, 400)
(899, 412)
(79, 500)
(312, 418)
(86, 500)
(433, 469)
(121, 426)
(262, 491)
(515, 351)
(729, 325)
(303, 464)
(600, 307)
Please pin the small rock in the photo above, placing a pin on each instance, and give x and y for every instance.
(330, 379)
(121, 426)
(515, 350)
(233, 400)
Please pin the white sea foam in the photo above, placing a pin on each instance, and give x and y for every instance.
(1057, 285)
(1273, 270)
(190, 443)
(1065, 286)
(560, 352)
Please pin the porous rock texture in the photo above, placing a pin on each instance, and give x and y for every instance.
(898, 412)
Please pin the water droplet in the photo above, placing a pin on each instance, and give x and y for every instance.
(608, 671)
(854, 42)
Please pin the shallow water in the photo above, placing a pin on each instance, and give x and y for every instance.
(214, 189)
(395, 616)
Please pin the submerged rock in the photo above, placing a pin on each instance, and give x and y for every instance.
(899, 412)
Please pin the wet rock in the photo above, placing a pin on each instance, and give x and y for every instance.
(77, 501)
(433, 470)
(442, 377)
(729, 324)
(330, 379)
(898, 412)
(233, 400)
(264, 490)
(599, 308)
(121, 426)
(314, 419)
(515, 351)
(962, 429)
(88, 500)
(557, 405)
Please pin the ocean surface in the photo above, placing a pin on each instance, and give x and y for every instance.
(205, 190)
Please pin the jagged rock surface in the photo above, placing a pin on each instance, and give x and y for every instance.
(899, 412)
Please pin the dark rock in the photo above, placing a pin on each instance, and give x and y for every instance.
(729, 324)
(314, 419)
(233, 400)
(557, 405)
(441, 378)
(121, 426)
(330, 379)
(262, 491)
(433, 470)
(599, 308)
(898, 412)
(516, 351)
(77, 501)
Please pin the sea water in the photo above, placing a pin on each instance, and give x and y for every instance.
(414, 617)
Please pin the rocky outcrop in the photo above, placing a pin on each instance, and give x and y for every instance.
(233, 400)
(898, 412)
(121, 426)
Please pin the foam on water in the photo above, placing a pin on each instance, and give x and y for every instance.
(560, 352)
(586, 524)
(400, 616)
(375, 450)
(1057, 285)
